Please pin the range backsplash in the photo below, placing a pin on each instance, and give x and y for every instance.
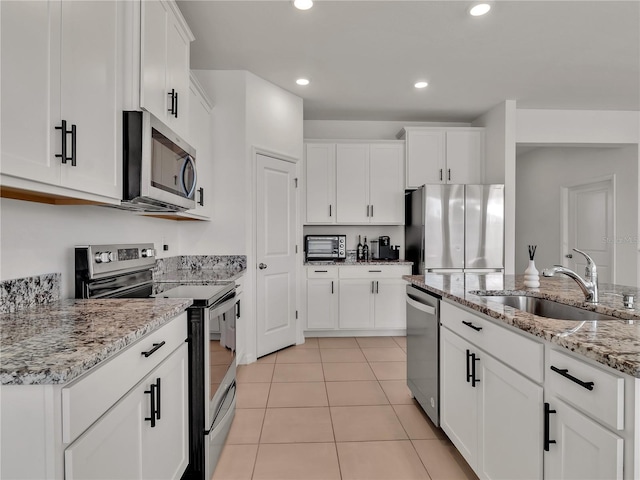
(21, 293)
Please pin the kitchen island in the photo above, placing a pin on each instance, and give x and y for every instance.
(526, 396)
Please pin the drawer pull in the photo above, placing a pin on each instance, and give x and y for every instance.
(321, 271)
(565, 373)
(156, 346)
(375, 271)
(471, 325)
(547, 412)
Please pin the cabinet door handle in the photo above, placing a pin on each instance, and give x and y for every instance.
(373, 287)
(172, 94)
(547, 412)
(372, 210)
(449, 174)
(331, 287)
(377, 287)
(175, 114)
(152, 406)
(73, 145)
(329, 210)
(474, 380)
(63, 150)
(156, 346)
(565, 373)
(238, 309)
(201, 192)
(367, 211)
(158, 396)
(440, 174)
(471, 325)
(468, 368)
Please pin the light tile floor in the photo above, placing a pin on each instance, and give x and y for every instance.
(334, 408)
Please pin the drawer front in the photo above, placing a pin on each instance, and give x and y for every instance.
(519, 352)
(375, 271)
(322, 272)
(596, 392)
(88, 397)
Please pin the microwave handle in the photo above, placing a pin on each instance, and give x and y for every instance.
(189, 191)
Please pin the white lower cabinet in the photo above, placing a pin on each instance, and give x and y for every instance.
(100, 424)
(581, 447)
(356, 297)
(491, 412)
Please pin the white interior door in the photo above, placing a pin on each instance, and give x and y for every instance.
(275, 255)
(589, 225)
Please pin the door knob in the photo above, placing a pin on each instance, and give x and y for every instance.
(262, 266)
(569, 255)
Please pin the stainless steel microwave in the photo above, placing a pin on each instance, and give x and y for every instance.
(325, 247)
(159, 167)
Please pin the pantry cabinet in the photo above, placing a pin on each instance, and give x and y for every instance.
(62, 97)
(443, 155)
(491, 412)
(354, 183)
(164, 73)
(356, 297)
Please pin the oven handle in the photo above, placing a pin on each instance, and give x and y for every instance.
(223, 307)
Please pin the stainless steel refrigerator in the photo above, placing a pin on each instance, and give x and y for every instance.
(455, 228)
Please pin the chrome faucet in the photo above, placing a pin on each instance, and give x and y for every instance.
(589, 286)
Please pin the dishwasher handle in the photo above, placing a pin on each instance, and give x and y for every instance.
(421, 306)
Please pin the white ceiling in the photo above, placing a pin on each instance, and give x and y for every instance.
(363, 57)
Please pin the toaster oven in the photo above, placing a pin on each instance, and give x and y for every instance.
(325, 247)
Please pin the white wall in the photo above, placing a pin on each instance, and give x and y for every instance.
(500, 158)
(249, 113)
(540, 174)
(38, 238)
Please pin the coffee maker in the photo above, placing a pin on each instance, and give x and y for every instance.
(386, 250)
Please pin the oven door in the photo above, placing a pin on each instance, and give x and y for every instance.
(220, 356)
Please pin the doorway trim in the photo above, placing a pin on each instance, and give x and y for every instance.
(564, 218)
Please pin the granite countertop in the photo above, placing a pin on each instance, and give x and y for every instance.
(612, 343)
(199, 276)
(356, 264)
(57, 342)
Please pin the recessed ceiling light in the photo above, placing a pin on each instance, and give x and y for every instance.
(420, 84)
(302, 81)
(479, 9)
(303, 4)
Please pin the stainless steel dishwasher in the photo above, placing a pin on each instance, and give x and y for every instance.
(423, 337)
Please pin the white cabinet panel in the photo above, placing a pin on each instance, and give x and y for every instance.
(320, 174)
(426, 157)
(386, 183)
(322, 303)
(582, 448)
(390, 307)
(352, 183)
(356, 304)
(465, 156)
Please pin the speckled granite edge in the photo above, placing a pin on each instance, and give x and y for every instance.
(615, 344)
(56, 343)
(389, 263)
(21, 293)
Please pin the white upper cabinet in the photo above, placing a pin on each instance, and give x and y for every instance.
(352, 182)
(164, 74)
(62, 97)
(320, 174)
(444, 155)
(355, 183)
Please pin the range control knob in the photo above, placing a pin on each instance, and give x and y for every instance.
(148, 252)
(104, 257)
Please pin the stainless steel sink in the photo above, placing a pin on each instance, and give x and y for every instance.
(548, 308)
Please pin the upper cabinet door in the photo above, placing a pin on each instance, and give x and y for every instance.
(465, 156)
(320, 175)
(164, 75)
(30, 97)
(386, 183)
(153, 58)
(91, 93)
(352, 182)
(425, 157)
